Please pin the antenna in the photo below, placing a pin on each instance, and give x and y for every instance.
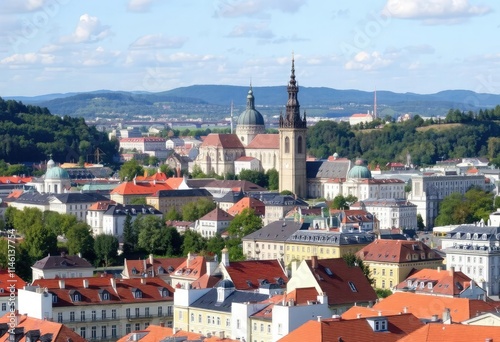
(232, 117)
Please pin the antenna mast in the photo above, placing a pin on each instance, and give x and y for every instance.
(232, 117)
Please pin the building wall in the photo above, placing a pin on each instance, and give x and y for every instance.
(292, 163)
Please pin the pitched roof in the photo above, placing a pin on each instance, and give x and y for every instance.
(123, 291)
(244, 185)
(209, 300)
(157, 177)
(397, 251)
(341, 283)
(442, 282)
(144, 189)
(174, 182)
(247, 202)
(159, 266)
(250, 274)
(222, 140)
(155, 333)
(62, 261)
(182, 193)
(437, 332)
(354, 330)
(101, 205)
(15, 180)
(265, 141)
(277, 231)
(7, 279)
(217, 215)
(327, 169)
(58, 331)
(77, 197)
(424, 306)
(192, 268)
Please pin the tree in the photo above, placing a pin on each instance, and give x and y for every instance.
(138, 201)
(39, 241)
(354, 261)
(130, 169)
(58, 223)
(244, 223)
(129, 236)
(215, 244)
(253, 176)
(420, 222)
(192, 211)
(193, 242)
(172, 215)
(156, 238)
(273, 179)
(29, 218)
(106, 249)
(197, 172)
(80, 240)
(447, 209)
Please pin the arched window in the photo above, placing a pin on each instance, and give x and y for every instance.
(299, 144)
(287, 145)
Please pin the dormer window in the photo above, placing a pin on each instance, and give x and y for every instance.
(409, 282)
(468, 236)
(429, 286)
(352, 286)
(484, 237)
(161, 270)
(135, 271)
(137, 293)
(422, 284)
(75, 296)
(54, 298)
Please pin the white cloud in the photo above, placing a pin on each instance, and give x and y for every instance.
(157, 41)
(434, 11)
(139, 5)
(250, 8)
(26, 59)
(27, 5)
(258, 30)
(88, 30)
(368, 61)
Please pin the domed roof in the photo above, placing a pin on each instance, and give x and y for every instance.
(250, 116)
(225, 284)
(55, 172)
(360, 170)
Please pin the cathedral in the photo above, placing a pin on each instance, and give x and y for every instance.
(251, 148)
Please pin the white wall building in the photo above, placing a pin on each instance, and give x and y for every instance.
(391, 213)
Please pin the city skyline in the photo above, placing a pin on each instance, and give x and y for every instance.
(421, 46)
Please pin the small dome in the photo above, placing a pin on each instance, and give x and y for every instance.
(56, 172)
(225, 284)
(360, 170)
(50, 164)
(250, 116)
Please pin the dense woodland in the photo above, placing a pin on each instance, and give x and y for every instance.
(32, 134)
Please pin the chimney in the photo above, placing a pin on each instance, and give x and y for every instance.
(358, 315)
(188, 261)
(319, 318)
(451, 271)
(314, 262)
(405, 309)
(162, 324)
(225, 257)
(113, 283)
(439, 269)
(79, 254)
(151, 259)
(61, 283)
(446, 316)
(143, 281)
(85, 283)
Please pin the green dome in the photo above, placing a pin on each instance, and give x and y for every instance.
(55, 172)
(360, 170)
(250, 116)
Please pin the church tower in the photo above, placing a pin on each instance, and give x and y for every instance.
(292, 137)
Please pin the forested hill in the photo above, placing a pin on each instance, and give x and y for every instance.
(31, 134)
(459, 135)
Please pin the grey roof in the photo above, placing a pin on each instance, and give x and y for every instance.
(198, 182)
(62, 261)
(77, 197)
(33, 198)
(275, 199)
(209, 300)
(327, 169)
(231, 197)
(489, 233)
(333, 238)
(245, 185)
(131, 209)
(278, 231)
(184, 193)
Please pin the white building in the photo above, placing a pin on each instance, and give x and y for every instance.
(55, 181)
(358, 118)
(212, 223)
(246, 163)
(390, 213)
(475, 251)
(61, 266)
(429, 189)
(143, 144)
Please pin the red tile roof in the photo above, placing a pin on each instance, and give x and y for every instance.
(157, 177)
(437, 332)
(425, 306)
(121, 293)
(192, 268)
(397, 251)
(60, 332)
(443, 282)
(102, 206)
(334, 277)
(354, 330)
(245, 159)
(155, 333)
(7, 279)
(174, 182)
(14, 180)
(222, 140)
(247, 275)
(165, 265)
(265, 141)
(217, 215)
(248, 202)
(131, 188)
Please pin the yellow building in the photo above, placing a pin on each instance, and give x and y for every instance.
(390, 261)
(165, 200)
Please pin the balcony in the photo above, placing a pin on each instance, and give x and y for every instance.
(130, 317)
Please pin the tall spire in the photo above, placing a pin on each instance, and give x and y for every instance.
(292, 117)
(250, 98)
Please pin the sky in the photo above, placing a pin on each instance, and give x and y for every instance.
(420, 46)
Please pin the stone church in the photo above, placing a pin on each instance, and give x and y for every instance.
(250, 146)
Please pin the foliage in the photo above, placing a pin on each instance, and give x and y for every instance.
(129, 236)
(106, 249)
(192, 211)
(256, 177)
(215, 244)
(39, 241)
(273, 179)
(341, 202)
(155, 238)
(58, 223)
(420, 222)
(172, 215)
(193, 242)
(197, 172)
(138, 201)
(130, 169)
(470, 207)
(354, 261)
(286, 193)
(244, 223)
(235, 249)
(383, 293)
(80, 240)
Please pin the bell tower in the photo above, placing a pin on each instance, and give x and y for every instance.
(292, 137)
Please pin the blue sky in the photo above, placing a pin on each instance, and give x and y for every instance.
(421, 46)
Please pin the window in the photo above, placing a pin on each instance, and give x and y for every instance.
(93, 315)
(127, 312)
(137, 326)
(299, 144)
(199, 318)
(146, 312)
(255, 327)
(390, 273)
(113, 313)
(4, 306)
(287, 145)
(103, 331)
(352, 286)
(59, 317)
(269, 328)
(218, 320)
(137, 312)
(261, 327)
(429, 285)
(209, 320)
(383, 271)
(82, 316)
(105, 296)
(54, 299)
(160, 311)
(128, 328)
(180, 314)
(228, 322)
(103, 314)
(113, 331)
(280, 328)
(192, 317)
(72, 316)
(93, 332)
(82, 332)
(237, 324)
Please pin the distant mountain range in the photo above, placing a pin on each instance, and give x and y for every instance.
(217, 99)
